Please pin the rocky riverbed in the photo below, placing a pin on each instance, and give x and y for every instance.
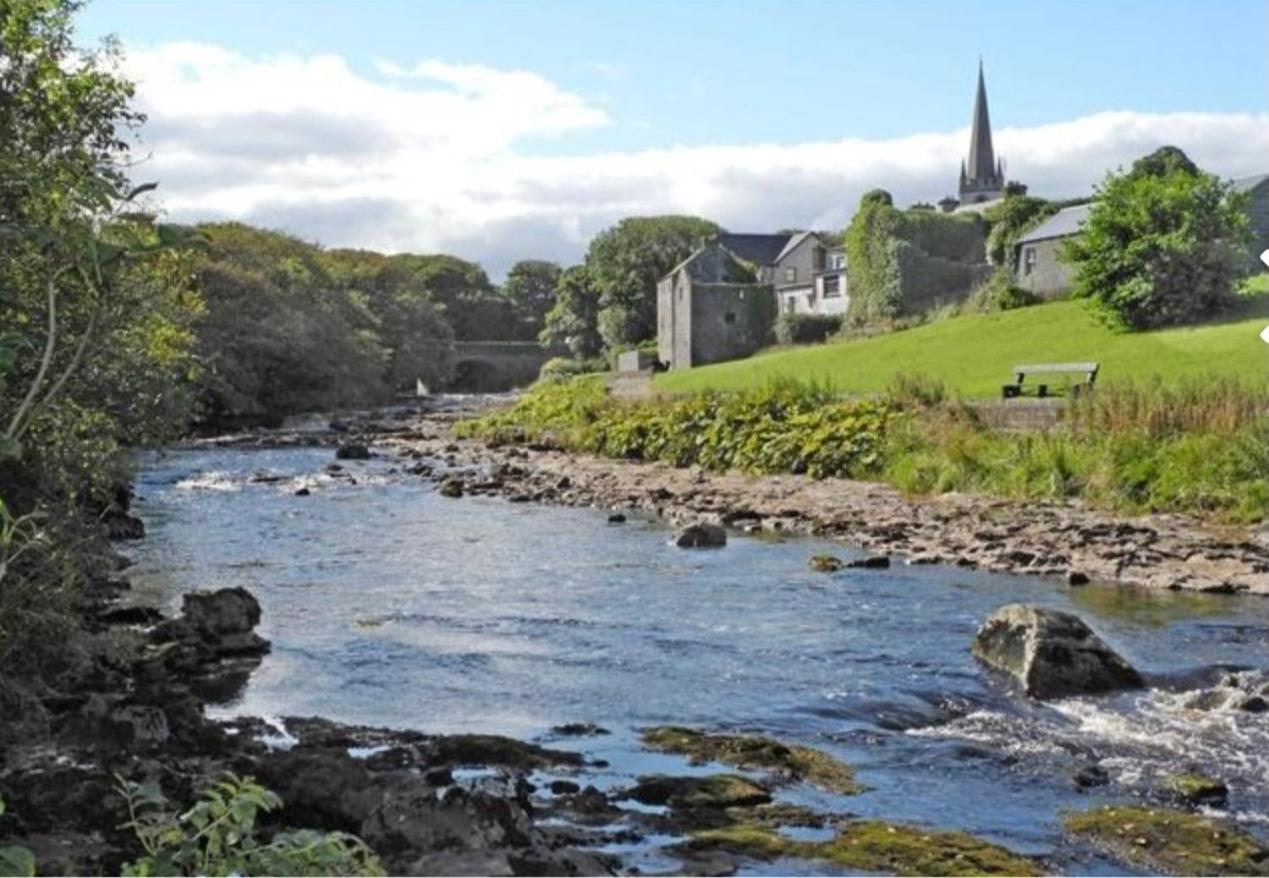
(1067, 540)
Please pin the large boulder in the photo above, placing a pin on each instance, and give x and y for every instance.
(1052, 654)
(221, 612)
(701, 536)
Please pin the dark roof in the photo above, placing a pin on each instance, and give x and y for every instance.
(758, 249)
(1063, 224)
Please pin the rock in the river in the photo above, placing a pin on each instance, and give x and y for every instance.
(217, 613)
(826, 563)
(352, 451)
(1051, 653)
(1192, 788)
(701, 535)
(1246, 691)
(451, 487)
(871, 562)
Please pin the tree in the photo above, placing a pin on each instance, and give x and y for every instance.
(1164, 244)
(573, 321)
(530, 287)
(624, 264)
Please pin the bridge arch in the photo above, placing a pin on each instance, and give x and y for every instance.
(492, 366)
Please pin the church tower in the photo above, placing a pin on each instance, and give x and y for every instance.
(983, 178)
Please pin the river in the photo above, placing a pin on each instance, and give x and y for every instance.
(388, 604)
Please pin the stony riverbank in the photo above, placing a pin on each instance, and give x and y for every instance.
(1065, 540)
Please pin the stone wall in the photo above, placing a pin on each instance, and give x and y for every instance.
(729, 321)
(1049, 276)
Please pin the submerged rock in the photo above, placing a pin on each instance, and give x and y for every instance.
(1052, 654)
(702, 535)
(1192, 788)
(826, 563)
(873, 846)
(1243, 691)
(352, 451)
(756, 753)
(712, 791)
(1170, 841)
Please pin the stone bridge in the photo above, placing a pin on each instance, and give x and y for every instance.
(487, 366)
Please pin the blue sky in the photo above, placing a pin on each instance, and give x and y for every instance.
(669, 92)
(746, 71)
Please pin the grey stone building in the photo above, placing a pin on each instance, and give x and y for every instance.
(1040, 269)
(721, 302)
(712, 307)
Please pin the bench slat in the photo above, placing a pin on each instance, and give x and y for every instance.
(1057, 367)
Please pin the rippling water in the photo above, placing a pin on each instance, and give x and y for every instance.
(389, 605)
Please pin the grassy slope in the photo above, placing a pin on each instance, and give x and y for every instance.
(973, 355)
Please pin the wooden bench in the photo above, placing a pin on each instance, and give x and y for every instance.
(1020, 373)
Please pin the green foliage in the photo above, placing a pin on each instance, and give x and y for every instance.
(1201, 448)
(559, 368)
(806, 328)
(573, 321)
(15, 860)
(530, 287)
(219, 835)
(624, 263)
(781, 428)
(999, 294)
(1009, 220)
(1164, 244)
(905, 262)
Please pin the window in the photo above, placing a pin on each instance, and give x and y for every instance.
(837, 260)
(729, 317)
(832, 286)
(790, 274)
(1028, 260)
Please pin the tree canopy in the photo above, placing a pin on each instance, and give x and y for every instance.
(1164, 244)
(625, 262)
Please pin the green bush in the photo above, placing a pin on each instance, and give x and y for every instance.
(806, 328)
(1163, 245)
(558, 368)
(1201, 448)
(219, 836)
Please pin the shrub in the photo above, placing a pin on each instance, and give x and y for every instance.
(218, 836)
(558, 368)
(806, 328)
(1164, 244)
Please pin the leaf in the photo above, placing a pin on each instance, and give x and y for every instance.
(17, 861)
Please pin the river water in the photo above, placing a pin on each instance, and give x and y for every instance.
(390, 605)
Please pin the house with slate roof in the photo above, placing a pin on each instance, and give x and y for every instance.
(1040, 270)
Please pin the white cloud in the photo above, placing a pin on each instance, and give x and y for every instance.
(428, 158)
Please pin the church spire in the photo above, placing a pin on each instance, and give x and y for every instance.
(983, 177)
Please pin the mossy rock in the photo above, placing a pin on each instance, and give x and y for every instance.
(756, 753)
(826, 563)
(714, 792)
(875, 846)
(1170, 841)
(1193, 788)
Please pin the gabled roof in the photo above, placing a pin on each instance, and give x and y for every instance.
(758, 249)
(1246, 184)
(1063, 224)
(795, 242)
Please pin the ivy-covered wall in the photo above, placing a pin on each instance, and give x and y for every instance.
(902, 262)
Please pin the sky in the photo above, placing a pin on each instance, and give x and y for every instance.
(500, 130)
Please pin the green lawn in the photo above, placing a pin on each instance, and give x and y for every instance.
(973, 354)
